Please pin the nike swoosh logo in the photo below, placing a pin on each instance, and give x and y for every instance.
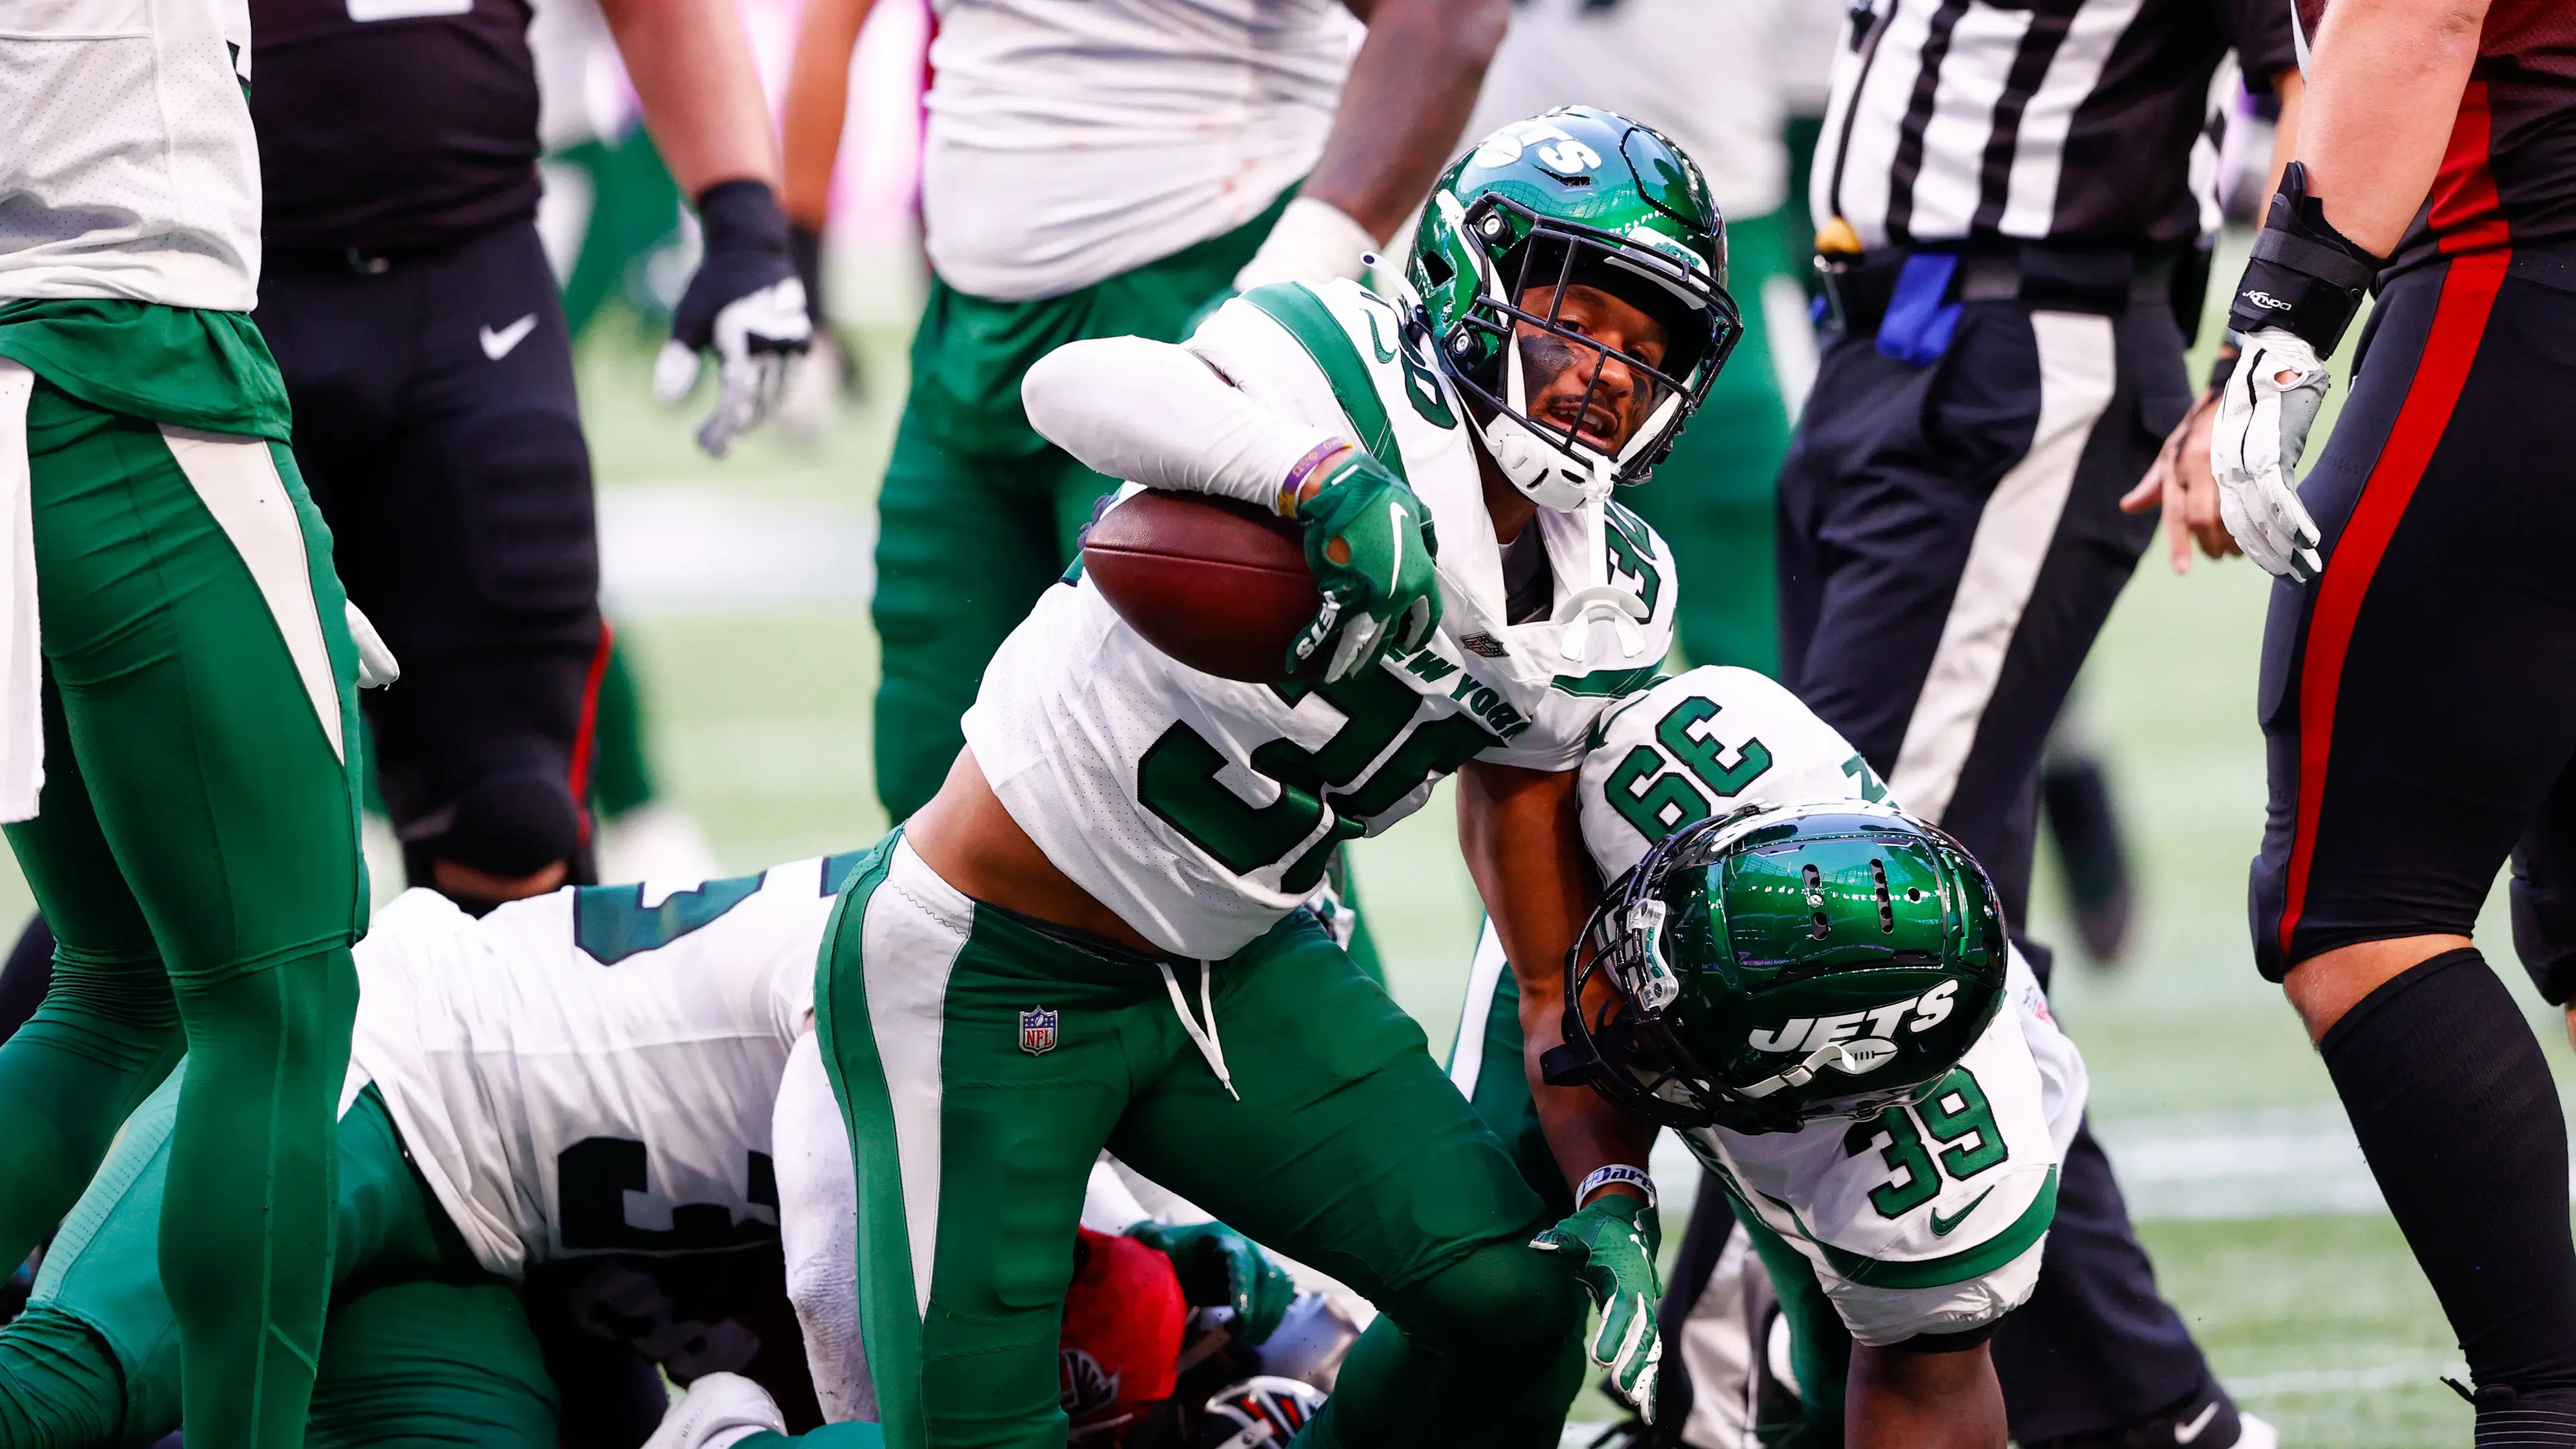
(1384, 352)
(497, 345)
(1941, 1226)
(2185, 1433)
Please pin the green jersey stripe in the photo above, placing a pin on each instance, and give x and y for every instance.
(1296, 308)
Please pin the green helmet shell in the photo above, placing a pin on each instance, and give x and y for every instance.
(1773, 967)
(1585, 195)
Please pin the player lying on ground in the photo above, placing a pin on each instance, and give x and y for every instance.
(1885, 1099)
(1090, 937)
(580, 1075)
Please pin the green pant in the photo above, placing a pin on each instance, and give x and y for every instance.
(978, 514)
(1495, 1080)
(983, 1064)
(423, 1346)
(1712, 498)
(196, 846)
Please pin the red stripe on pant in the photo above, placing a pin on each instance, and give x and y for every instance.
(2459, 322)
(2468, 216)
(585, 739)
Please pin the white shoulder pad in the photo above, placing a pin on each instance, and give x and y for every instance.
(1704, 742)
(1926, 1219)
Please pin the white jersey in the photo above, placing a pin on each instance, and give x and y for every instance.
(1201, 810)
(1916, 1220)
(1072, 140)
(594, 1070)
(1703, 72)
(130, 170)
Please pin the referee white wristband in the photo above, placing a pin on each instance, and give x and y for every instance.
(1616, 1173)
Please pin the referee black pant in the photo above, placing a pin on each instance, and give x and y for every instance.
(1950, 544)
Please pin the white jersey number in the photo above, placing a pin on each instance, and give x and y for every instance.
(1177, 777)
(1961, 1125)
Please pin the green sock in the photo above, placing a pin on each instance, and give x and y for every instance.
(59, 1386)
(246, 1226)
(104, 1038)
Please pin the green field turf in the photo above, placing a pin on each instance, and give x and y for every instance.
(761, 679)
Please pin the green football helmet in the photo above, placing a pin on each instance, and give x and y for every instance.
(1771, 967)
(1578, 196)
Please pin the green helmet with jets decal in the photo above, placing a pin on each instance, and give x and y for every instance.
(1578, 196)
(1771, 967)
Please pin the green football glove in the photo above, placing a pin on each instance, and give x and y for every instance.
(1370, 544)
(1612, 1243)
(1221, 1268)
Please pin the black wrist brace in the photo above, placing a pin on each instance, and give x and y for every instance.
(2304, 277)
(742, 215)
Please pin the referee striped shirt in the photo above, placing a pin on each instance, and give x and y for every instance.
(2068, 121)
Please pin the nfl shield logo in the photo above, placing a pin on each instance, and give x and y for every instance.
(1037, 1031)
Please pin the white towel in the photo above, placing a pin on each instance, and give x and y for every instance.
(22, 669)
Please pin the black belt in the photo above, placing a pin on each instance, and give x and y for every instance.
(1858, 289)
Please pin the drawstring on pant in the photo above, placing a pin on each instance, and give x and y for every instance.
(1209, 1046)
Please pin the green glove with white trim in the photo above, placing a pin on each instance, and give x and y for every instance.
(1611, 1243)
(1370, 543)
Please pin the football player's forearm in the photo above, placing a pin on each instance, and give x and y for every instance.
(1518, 831)
(1410, 91)
(818, 103)
(1905, 1400)
(692, 69)
(2384, 83)
(1153, 413)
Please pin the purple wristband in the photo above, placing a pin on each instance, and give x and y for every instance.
(1304, 469)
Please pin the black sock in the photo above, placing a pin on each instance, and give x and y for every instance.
(2454, 1106)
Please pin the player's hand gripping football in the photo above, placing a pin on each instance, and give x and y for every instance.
(1221, 1267)
(2264, 416)
(1612, 1242)
(745, 305)
(1371, 546)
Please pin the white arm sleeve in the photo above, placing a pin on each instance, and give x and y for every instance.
(1154, 413)
(818, 1226)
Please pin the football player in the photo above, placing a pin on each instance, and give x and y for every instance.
(1815, 990)
(178, 676)
(1090, 936)
(584, 1076)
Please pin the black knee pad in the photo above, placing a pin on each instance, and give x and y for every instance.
(1504, 1298)
(508, 825)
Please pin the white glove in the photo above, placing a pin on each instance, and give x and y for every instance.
(719, 1410)
(758, 340)
(1313, 242)
(2264, 414)
(376, 664)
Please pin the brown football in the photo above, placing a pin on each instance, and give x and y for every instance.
(1219, 585)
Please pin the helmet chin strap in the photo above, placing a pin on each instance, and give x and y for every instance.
(1551, 474)
(1830, 1054)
